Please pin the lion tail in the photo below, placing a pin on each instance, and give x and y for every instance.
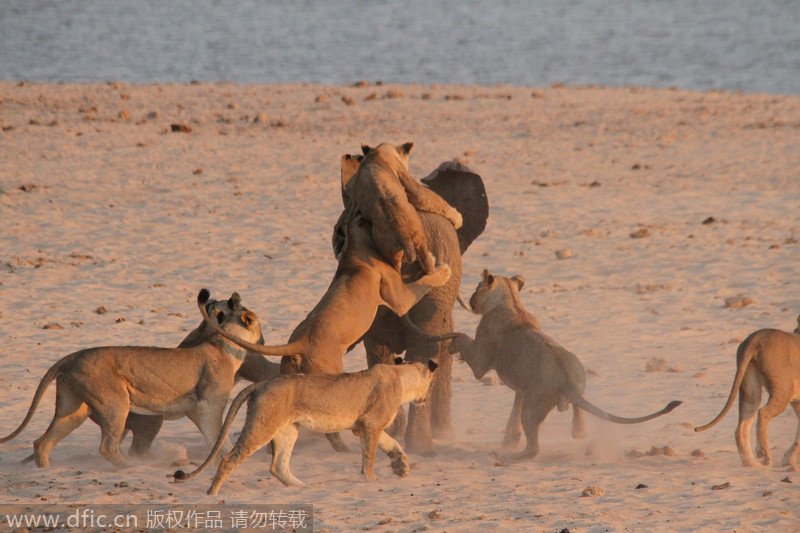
(48, 378)
(744, 354)
(589, 407)
(244, 395)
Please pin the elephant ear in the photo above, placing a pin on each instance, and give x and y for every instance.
(463, 189)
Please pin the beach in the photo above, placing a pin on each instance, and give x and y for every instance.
(655, 230)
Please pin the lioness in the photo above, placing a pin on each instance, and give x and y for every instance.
(107, 383)
(365, 402)
(363, 281)
(768, 358)
(386, 194)
(541, 372)
(254, 368)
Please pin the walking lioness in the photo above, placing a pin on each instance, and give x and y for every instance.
(768, 358)
(105, 384)
(540, 371)
(365, 402)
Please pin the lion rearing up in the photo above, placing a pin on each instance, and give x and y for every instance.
(385, 193)
(541, 372)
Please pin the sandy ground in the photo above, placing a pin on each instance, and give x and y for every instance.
(103, 206)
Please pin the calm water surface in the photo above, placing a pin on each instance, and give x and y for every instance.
(752, 46)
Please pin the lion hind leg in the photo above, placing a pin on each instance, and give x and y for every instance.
(70, 413)
(790, 457)
(749, 400)
(776, 404)
(513, 432)
(392, 448)
(534, 411)
(283, 444)
(578, 422)
(250, 441)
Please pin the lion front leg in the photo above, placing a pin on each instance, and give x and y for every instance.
(392, 448)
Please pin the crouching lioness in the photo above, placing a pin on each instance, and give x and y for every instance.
(541, 372)
(365, 402)
(105, 384)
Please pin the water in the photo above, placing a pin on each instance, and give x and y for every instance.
(752, 46)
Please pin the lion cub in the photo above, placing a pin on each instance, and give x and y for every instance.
(768, 358)
(365, 402)
(385, 193)
(107, 383)
(543, 374)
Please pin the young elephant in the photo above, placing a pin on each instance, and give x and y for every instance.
(107, 383)
(365, 402)
(543, 374)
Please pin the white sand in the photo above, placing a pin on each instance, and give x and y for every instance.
(122, 213)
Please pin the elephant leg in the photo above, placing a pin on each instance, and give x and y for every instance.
(380, 353)
(419, 433)
(439, 397)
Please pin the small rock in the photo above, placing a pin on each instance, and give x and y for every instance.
(655, 364)
(435, 515)
(668, 451)
(640, 233)
(766, 493)
(655, 450)
(54, 325)
(152, 115)
(721, 486)
(698, 453)
(261, 118)
(101, 310)
(391, 93)
(786, 480)
(197, 171)
(348, 100)
(641, 486)
(180, 128)
(709, 220)
(593, 490)
(739, 301)
(124, 115)
(566, 253)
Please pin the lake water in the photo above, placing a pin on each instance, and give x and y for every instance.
(752, 46)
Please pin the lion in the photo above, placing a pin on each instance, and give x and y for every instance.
(365, 402)
(541, 372)
(768, 358)
(254, 368)
(385, 193)
(363, 282)
(107, 383)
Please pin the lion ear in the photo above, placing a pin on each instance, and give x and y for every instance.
(519, 280)
(405, 149)
(235, 301)
(487, 277)
(249, 318)
(432, 365)
(365, 149)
